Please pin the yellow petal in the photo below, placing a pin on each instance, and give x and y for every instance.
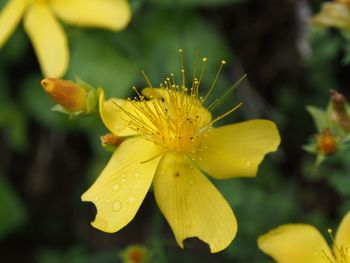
(121, 187)
(192, 205)
(110, 14)
(333, 14)
(342, 237)
(115, 118)
(237, 149)
(295, 243)
(116, 114)
(10, 17)
(48, 38)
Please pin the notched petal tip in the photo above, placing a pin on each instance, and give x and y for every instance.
(180, 193)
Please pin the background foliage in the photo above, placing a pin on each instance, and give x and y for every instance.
(47, 161)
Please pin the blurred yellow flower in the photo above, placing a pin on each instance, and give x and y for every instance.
(170, 141)
(47, 35)
(334, 14)
(301, 243)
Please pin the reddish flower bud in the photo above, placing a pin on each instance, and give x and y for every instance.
(69, 95)
(110, 139)
(340, 115)
(136, 254)
(327, 144)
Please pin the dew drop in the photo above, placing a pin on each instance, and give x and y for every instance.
(117, 206)
(248, 163)
(131, 200)
(96, 198)
(116, 187)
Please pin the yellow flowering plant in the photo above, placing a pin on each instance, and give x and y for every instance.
(47, 35)
(169, 139)
(333, 14)
(302, 243)
(333, 127)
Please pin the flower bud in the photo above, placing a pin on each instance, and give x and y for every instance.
(339, 114)
(110, 139)
(135, 254)
(327, 144)
(71, 96)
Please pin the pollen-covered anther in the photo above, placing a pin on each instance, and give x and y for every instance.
(173, 119)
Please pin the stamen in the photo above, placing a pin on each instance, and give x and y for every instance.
(147, 79)
(223, 62)
(340, 253)
(220, 100)
(227, 113)
(182, 68)
(198, 83)
(138, 93)
(194, 72)
(172, 116)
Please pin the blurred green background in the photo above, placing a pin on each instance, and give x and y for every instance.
(48, 161)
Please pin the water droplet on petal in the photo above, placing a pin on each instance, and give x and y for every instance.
(248, 163)
(123, 178)
(117, 206)
(131, 200)
(96, 197)
(116, 187)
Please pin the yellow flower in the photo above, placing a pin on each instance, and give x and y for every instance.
(170, 141)
(301, 243)
(45, 32)
(334, 14)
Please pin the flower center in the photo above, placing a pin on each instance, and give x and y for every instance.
(341, 254)
(172, 118)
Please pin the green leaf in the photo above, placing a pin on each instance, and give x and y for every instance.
(14, 123)
(311, 147)
(341, 183)
(318, 116)
(98, 61)
(12, 213)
